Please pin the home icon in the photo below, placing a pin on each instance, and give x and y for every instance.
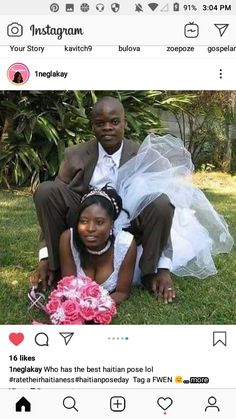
(23, 405)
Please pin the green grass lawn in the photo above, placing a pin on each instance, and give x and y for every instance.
(207, 301)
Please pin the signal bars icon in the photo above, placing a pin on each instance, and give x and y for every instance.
(153, 6)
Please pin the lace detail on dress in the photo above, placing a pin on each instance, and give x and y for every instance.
(121, 245)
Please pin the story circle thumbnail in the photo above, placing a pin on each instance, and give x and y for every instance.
(18, 73)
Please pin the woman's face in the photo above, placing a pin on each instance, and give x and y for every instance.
(94, 227)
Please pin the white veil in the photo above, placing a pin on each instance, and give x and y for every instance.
(163, 165)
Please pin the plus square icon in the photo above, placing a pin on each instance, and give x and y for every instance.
(117, 403)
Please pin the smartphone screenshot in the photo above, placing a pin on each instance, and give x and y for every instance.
(117, 209)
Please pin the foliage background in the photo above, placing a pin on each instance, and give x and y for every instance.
(37, 126)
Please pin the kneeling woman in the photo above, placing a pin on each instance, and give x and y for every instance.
(91, 249)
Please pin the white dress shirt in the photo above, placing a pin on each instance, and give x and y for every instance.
(106, 171)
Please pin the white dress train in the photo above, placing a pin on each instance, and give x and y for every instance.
(198, 232)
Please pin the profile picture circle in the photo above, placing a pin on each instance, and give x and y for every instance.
(18, 73)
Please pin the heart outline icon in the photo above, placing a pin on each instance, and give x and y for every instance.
(16, 338)
(164, 402)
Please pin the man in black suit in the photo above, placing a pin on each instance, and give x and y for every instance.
(96, 163)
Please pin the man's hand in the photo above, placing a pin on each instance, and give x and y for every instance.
(42, 274)
(161, 285)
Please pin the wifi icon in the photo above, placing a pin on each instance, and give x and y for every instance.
(153, 6)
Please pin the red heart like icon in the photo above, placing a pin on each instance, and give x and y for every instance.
(16, 338)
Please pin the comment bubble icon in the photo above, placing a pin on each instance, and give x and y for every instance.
(41, 339)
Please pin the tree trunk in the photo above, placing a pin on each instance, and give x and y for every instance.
(230, 125)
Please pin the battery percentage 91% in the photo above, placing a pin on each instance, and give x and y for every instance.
(190, 7)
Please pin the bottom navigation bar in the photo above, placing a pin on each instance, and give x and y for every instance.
(151, 403)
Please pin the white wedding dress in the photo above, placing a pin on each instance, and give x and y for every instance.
(122, 244)
(198, 232)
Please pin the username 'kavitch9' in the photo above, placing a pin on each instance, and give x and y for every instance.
(52, 31)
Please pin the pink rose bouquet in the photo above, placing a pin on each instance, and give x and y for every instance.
(77, 300)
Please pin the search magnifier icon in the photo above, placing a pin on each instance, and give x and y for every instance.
(69, 403)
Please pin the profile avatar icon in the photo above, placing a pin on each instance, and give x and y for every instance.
(212, 403)
(18, 73)
(18, 77)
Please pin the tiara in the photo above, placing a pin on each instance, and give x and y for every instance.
(99, 192)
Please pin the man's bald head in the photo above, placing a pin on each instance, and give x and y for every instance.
(107, 102)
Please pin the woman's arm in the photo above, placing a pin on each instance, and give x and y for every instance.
(125, 276)
(66, 258)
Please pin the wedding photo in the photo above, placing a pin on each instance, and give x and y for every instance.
(117, 207)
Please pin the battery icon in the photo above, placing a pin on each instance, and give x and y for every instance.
(176, 7)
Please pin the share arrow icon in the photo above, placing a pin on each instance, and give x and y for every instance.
(221, 27)
(67, 337)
